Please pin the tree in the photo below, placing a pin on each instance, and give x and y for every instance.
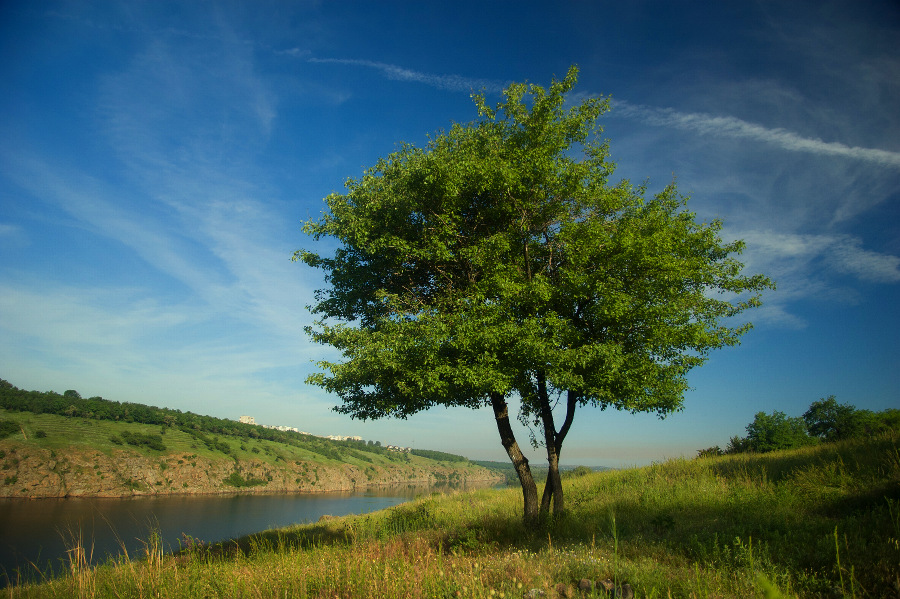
(886, 421)
(831, 421)
(770, 432)
(737, 445)
(498, 262)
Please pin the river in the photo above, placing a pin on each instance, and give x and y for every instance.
(37, 533)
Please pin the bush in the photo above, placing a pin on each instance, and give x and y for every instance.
(770, 432)
(576, 472)
(40, 434)
(144, 440)
(236, 480)
(8, 427)
(709, 452)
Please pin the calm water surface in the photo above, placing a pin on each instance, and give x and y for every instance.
(38, 532)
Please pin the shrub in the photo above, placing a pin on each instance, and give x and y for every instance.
(236, 480)
(710, 452)
(769, 432)
(8, 427)
(144, 440)
(577, 472)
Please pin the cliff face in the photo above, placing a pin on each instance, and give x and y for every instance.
(31, 472)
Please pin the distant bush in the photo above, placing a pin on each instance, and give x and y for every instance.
(40, 434)
(144, 440)
(576, 472)
(8, 427)
(236, 480)
(438, 456)
(709, 452)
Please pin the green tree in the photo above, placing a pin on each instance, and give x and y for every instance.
(769, 432)
(737, 445)
(886, 421)
(831, 421)
(498, 262)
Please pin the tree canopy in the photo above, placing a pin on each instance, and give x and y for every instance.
(769, 432)
(499, 261)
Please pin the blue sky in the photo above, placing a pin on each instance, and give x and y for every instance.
(157, 160)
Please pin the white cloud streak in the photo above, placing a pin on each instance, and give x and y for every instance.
(456, 83)
(705, 124)
(809, 267)
(842, 252)
(728, 126)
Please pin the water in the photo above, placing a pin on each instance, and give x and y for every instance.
(36, 534)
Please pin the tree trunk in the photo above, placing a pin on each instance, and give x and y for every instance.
(553, 490)
(519, 461)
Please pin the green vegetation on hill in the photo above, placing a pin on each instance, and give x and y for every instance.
(216, 434)
(65, 445)
(825, 421)
(820, 521)
(438, 456)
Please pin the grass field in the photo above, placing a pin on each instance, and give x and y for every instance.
(819, 522)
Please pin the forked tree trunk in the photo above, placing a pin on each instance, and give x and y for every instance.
(519, 461)
(553, 490)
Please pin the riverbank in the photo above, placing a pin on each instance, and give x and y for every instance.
(819, 522)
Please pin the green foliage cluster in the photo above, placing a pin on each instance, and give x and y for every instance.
(829, 421)
(825, 421)
(438, 456)
(151, 441)
(8, 427)
(769, 432)
(577, 471)
(236, 480)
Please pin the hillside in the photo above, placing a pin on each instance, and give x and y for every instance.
(91, 449)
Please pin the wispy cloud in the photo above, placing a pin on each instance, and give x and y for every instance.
(808, 266)
(456, 83)
(705, 124)
(728, 126)
(844, 253)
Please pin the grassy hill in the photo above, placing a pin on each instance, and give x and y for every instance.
(822, 521)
